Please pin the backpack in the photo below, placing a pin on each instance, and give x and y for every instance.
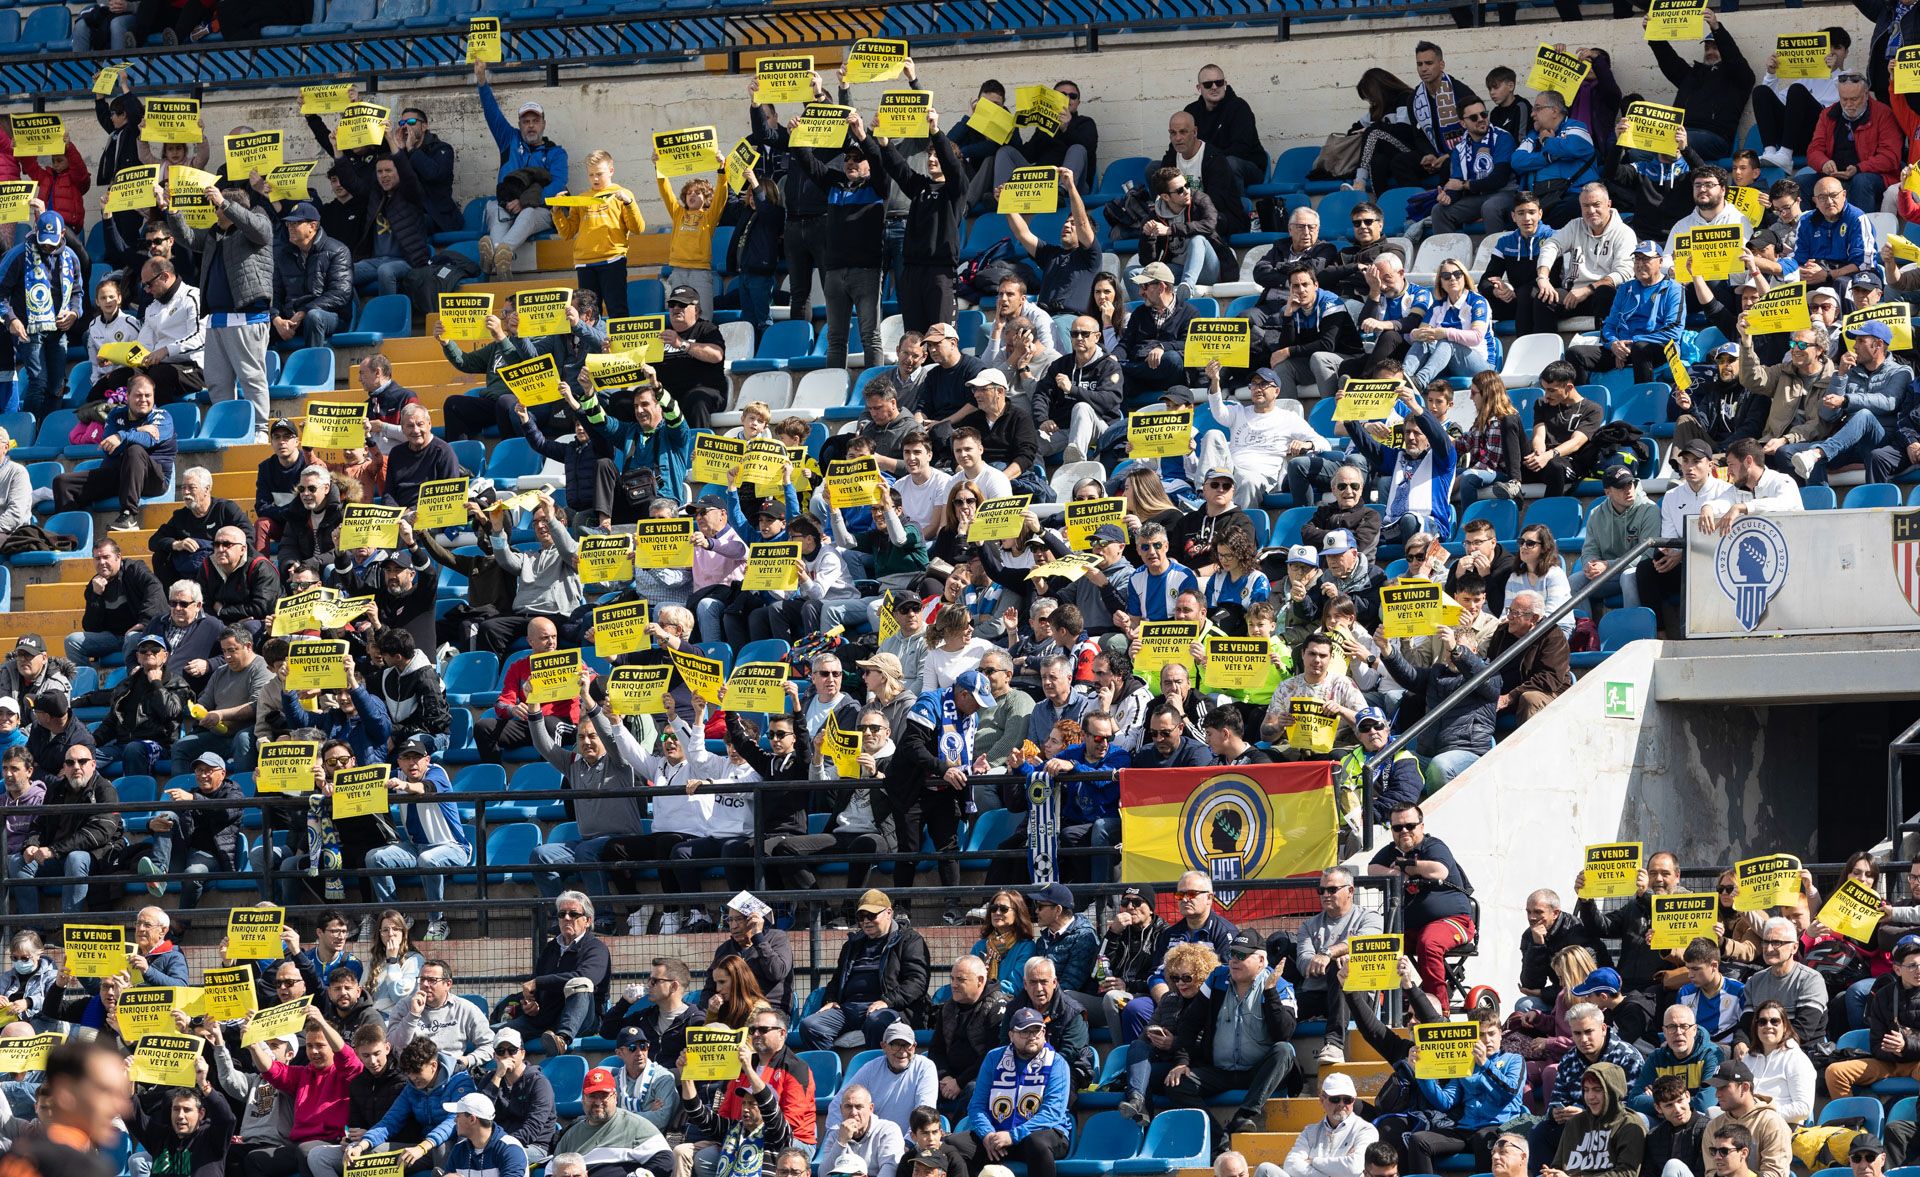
(982, 275)
(442, 274)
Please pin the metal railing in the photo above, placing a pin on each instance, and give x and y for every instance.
(1906, 744)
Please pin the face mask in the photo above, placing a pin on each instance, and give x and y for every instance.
(25, 968)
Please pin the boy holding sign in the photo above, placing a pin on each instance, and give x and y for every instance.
(599, 232)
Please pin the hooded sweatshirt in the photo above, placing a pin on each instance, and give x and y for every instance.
(1609, 1144)
(416, 704)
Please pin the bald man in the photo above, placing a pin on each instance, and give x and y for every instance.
(507, 726)
(1208, 170)
(241, 588)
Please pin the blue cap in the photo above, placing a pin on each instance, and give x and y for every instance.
(49, 229)
(1026, 1018)
(1058, 894)
(1370, 713)
(1727, 349)
(1872, 329)
(302, 212)
(631, 1038)
(1109, 533)
(1267, 374)
(1337, 542)
(974, 683)
(153, 639)
(1598, 981)
(1647, 249)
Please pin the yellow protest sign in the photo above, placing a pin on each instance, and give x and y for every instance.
(1160, 433)
(442, 503)
(130, 354)
(301, 611)
(361, 791)
(772, 568)
(1903, 249)
(1612, 871)
(1085, 516)
(1713, 251)
(1676, 20)
(535, 381)
(998, 519)
(187, 195)
(326, 99)
(1373, 964)
(823, 126)
(254, 933)
(18, 1055)
(146, 1009)
(759, 687)
(107, 78)
(713, 1053)
(370, 525)
(1751, 203)
(783, 79)
(335, 425)
(1446, 1048)
(742, 159)
(764, 464)
(889, 626)
(168, 1060)
(1409, 608)
(1677, 367)
(638, 335)
(1066, 569)
(171, 120)
(638, 690)
(132, 189)
(483, 39)
(543, 311)
(606, 559)
(362, 124)
(230, 992)
(1163, 643)
(38, 134)
(291, 181)
(1680, 919)
(1366, 400)
(1896, 313)
(621, 628)
(854, 482)
(619, 370)
(1557, 71)
(1030, 191)
(284, 766)
(875, 60)
(16, 201)
(1783, 308)
(687, 152)
(1311, 727)
(375, 1164)
(1228, 340)
(94, 950)
(316, 664)
(1800, 56)
(1854, 910)
(277, 1021)
(993, 121)
(842, 747)
(464, 316)
(1236, 664)
(1766, 880)
(1040, 106)
(663, 543)
(903, 115)
(1652, 127)
(553, 677)
(258, 151)
(700, 673)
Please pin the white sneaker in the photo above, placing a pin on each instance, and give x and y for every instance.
(1777, 157)
(669, 923)
(1804, 463)
(1331, 1055)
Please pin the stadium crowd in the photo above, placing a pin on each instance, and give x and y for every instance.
(926, 664)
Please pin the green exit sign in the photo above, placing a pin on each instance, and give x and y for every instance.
(1619, 701)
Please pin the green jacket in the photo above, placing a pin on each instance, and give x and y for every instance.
(1612, 534)
(489, 359)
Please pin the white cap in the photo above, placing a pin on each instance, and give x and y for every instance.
(508, 1035)
(472, 1103)
(533, 108)
(988, 376)
(1338, 1083)
(9, 703)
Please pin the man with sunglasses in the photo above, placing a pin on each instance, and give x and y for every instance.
(1749, 1137)
(643, 1086)
(879, 978)
(431, 160)
(1438, 914)
(1084, 387)
(458, 1028)
(70, 845)
(1198, 923)
(1335, 1144)
(522, 1096)
(1019, 1110)
(1479, 184)
(1225, 125)
(1319, 946)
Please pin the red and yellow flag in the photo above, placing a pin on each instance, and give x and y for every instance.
(1252, 821)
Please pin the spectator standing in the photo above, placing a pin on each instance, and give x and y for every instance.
(599, 234)
(236, 294)
(1713, 91)
(42, 294)
(532, 168)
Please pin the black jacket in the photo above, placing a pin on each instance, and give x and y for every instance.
(1098, 385)
(1334, 331)
(203, 1154)
(664, 1046)
(1142, 336)
(1468, 723)
(307, 536)
(1222, 186)
(1714, 95)
(1536, 957)
(1229, 127)
(856, 213)
(903, 975)
(770, 957)
(217, 831)
(1043, 148)
(525, 1108)
(319, 280)
(415, 699)
(132, 596)
(141, 709)
(555, 966)
(432, 166)
(370, 1095)
(1629, 923)
(963, 1034)
(934, 207)
(64, 833)
(48, 747)
(1278, 1016)
(184, 524)
(779, 812)
(249, 594)
(404, 213)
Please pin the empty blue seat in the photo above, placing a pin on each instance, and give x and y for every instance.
(780, 347)
(383, 317)
(471, 678)
(1617, 628)
(513, 458)
(1873, 494)
(1560, 515)
(50, 440)
(228, 423)
(307, 371)
(568, 1075)
(1502, 513)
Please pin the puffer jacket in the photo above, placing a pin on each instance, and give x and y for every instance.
(319, 280)
(1468, 725)
(141, 709)
(1795, 415)
(246, 250)
(405, 212)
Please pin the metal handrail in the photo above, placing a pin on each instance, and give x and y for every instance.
(1906, 744)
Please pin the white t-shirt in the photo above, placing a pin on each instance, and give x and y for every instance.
(992, 483)
(1190, 168)
(920, 500)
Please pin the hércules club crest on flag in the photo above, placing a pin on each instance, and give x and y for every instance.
(1253, 821)
(1906, 555)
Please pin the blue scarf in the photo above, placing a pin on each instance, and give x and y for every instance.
(42, 303)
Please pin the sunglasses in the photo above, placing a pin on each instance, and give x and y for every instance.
(1333, 890)
(1339, 1100)
(1000, 909)
(1769, 1021)
(764, 1030)
(1219, 486)
(1798, 344)
(1084, 334)
(1481, 117)
(1723, 1150)
(1529, 543)
(1375, 727)
(1405, 827)
(1346, 486)
(83, 760)
(1359, 221)
(1192, 894)
(1181, 978)
(1215, 84)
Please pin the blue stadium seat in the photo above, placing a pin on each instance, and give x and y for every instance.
(1560, 515)
(1862, 1107)
(568, 1074)
(536, 777)
(1818, 498)
(480, 778)
(50, 441)
(1502, 513)
(988, 229)
(782, 344)
(78, 524)
(471, 679)
(511, 845)
(513, 458)
(825, 1064)
(1290, 170)
(48, 28)
(228, 423)
(1617, 628)
(1286, 529)
(647, 296)
(473, 218)
(382, 317)
(1113, 1068)
(1105, 1137)
(1114, 180)
(1873, 494)
(307, 371)
(1336, 213)
(990, 828)
(1176, 1139)
(472, 454)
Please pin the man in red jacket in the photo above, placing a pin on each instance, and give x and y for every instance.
(1856, 140)
(507, 726)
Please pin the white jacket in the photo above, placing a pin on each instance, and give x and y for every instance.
(176, 325)
(1322, 1150)
(1787, 1075)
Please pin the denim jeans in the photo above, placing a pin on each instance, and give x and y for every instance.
(399, 857)
(551, 883)
(1853, 442)
(236, 749)
(819, 1028)
(42, 358)
(1447, 765)
(384, 272)
(756, 301)
(1863, 191)
(76, 864)
(565, 1021)
(317, 328)
(136, 757)
(1426, 362)
(1469, 485)
(1626, 586)
(84, 647)
(1311, 475)
(166, 846)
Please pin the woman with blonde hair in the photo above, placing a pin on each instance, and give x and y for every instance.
(690, 248)
(1490, 451)
(1541, 1036)
(599, 233)
(1145, 494)
(1181, 1018)
(952, 650)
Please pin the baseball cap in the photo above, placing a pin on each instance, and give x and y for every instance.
(1732, 1071)
(1617, 478)
(1266, 375)
(1598, 981)
(1369, 714)
(9, 703)
(398, 558)
(1058, 894)
(1109, 533)
(988, 376)
(1647, 249)
(210, 759)
(49, 229)
(887, 664)
(1338, 542)
(631, 1039)
(33, 642)
(1694, 447)
(301, 213)
(1156, 272)
(1866, 1142)
(898, 1032)
(1338, 1083)
(1902, 948)
(974, 683)
(532, 108)
(1303, 554)
(511, 1037)
(282, 425)
(474, 1104)
(1872, 329)
(1244, 943)
(153, 639)
(685, 295)
(1868, 280)
(874, 900)
(415, 746)
(1726, 349)
(54, 703)
(1027, 1019)
(849, 1162)
(1221, 472)
(928, 1158)
(1848, 74)
(599, 1079)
